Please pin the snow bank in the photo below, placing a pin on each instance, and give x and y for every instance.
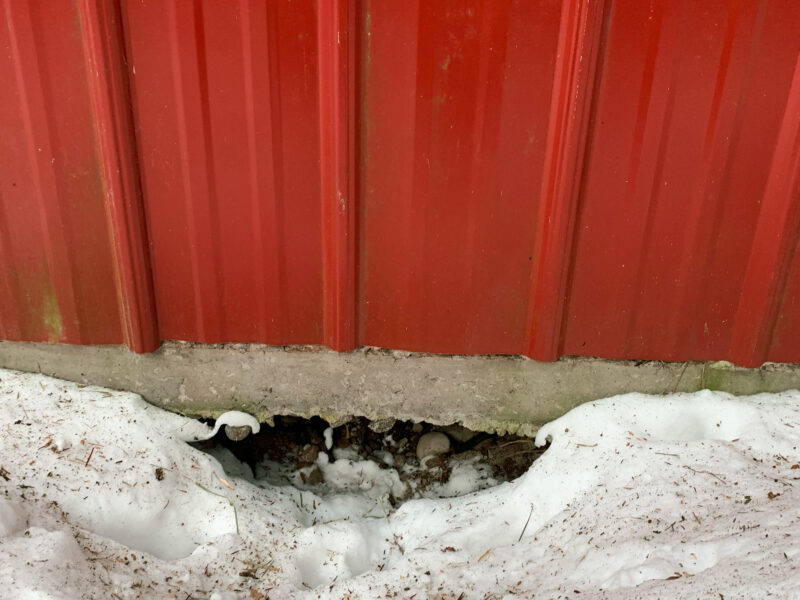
(685, 496)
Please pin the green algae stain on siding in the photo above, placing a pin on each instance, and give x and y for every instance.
(50, 311)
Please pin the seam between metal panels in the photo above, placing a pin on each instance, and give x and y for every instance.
(336, 37)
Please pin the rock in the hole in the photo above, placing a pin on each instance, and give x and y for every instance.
(237, 434)
(432, 444)
(459, 433)
(382, 425)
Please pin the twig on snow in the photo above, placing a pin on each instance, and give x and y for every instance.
(235, 514)
(530, 514)
(715, 476)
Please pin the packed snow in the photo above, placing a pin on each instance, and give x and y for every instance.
(679, 496)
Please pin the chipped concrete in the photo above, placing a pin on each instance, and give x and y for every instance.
(490, 393)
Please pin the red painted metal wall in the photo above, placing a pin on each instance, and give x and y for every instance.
(538, 177)
(57, 269)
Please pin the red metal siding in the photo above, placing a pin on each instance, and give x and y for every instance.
(226, 100)
(538, 177)
(56, 267)
(454, 120)
(786, 328)
(691, 102)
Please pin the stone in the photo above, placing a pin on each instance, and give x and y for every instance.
(459, 433)
(237, 434)
(382, 425)
(432, 444)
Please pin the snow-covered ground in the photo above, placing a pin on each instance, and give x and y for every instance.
(683, 496)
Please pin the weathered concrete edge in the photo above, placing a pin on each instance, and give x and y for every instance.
(491, 393)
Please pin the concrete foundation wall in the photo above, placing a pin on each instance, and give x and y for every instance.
(492, 393)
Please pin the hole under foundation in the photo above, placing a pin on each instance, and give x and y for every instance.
(395, 461)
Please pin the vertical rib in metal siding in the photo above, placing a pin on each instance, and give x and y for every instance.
(110, 96)
(336, 37)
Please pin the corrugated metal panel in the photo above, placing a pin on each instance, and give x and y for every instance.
(56, 268)
(455, 111)
(227, 104)
(471, 176)
(692, 102)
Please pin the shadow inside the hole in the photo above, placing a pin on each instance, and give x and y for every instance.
(353, 458)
